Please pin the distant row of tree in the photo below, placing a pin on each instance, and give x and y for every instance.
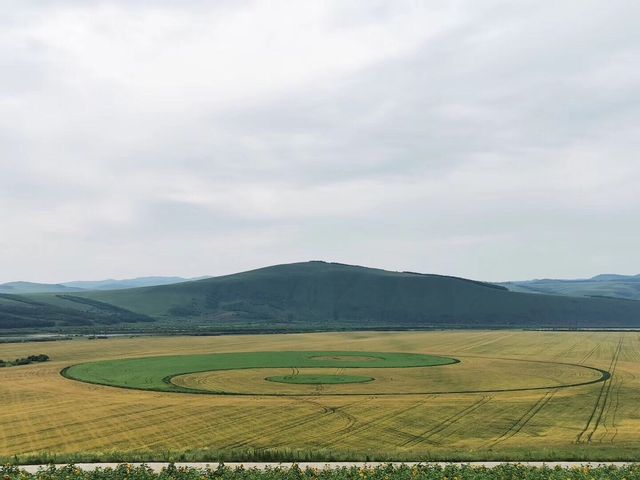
(24, 361)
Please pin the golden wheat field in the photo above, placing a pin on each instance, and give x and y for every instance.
(42, 411)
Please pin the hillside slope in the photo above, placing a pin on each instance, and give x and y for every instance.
(319, 295)
(49, 311)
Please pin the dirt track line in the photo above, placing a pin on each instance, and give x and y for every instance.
(607, 393)
(604, 388)
(363, 427)
(278, 427)
(326, 411)
(519, 424)
(615, 413)
(589, 354)
(446, 423)
(195, 432)
(611, 412)
(338, 411)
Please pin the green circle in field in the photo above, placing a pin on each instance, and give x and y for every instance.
(155, 373)
(303, 379)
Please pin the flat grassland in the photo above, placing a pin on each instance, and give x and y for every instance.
(522, 407)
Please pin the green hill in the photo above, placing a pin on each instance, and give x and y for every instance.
(331, 296)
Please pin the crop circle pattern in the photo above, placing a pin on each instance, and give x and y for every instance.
(307, 369)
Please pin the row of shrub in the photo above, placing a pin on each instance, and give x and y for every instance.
(384, 472)
(25, 361)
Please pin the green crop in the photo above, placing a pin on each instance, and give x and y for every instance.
(383, 472)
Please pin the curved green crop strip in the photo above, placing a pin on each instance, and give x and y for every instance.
(155, 373)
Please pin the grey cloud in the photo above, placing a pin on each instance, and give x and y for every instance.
(502, 146)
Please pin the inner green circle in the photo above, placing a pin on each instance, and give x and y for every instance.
(303, 379)
(155, 373)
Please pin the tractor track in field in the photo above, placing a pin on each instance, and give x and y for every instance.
(613, 402)
(403, 434)
(589, 354)
(451, 420)
(612, 411)
(379, 422)
(338, 411)
(275, 427)
(521, 422)
(567, 352)
(195, 431)
(607, 395)
(279, 427)
(350, 422)
(310, 418)
(595, 418)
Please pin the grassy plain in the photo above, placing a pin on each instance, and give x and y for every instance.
(45, 412)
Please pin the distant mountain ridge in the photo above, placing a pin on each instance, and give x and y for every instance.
(612, 276)
(31, 287)
(111, 284)
(84, 285)
(603, 285)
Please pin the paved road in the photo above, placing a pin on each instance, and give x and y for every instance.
(157, 466)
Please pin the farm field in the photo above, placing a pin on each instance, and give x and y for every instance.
(513, 399)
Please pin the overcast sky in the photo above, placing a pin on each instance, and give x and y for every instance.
(487, 139)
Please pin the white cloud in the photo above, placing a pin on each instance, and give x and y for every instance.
(479, 139)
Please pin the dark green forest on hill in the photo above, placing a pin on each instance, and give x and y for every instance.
(318, 296)
(21, 311)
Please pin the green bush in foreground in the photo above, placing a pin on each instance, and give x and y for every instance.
(584, 453)
(386, 472)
